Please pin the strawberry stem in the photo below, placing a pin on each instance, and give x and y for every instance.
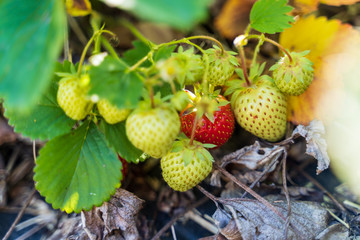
(86, 48)
(243, 64)
(209, 38)
(151, 93)
(272, 42)
(196, 121)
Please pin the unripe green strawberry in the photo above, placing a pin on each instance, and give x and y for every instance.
(71, 97)
(111, 113)
(186, 67)
(261, 110)
(293, 78)
(221, 66)
(153, 130)
(186, 165)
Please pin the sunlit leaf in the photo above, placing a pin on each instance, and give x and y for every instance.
(78, 170)
(270, 16)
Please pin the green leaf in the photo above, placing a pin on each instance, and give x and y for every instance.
(112, 80)
(47, 120)
(116, 136)
(182, 15)
(31, 36)
(141, 49)
(76, 171)
(270, 16)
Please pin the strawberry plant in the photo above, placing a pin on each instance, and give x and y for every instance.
(134, 105)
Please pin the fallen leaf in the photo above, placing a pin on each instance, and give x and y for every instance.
(253, 220)
(336, 231)
(315, 143)
(234, 18)
(333, 47)
(252, 157)
(115, 219)
(78, 8)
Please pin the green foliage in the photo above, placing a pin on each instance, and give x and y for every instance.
(116, 136)
(141, 49)
(270, 16)
(77, 171)
(46, 120)
(182, 15)
(31, 36)
(114, 81)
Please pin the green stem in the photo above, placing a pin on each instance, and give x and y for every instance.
(136, 33)
(247, 30)
(141, 61)
(272, 42)
(84, 53)
(196, 121)
(109, 49)
(86, 48)
(209, 38)
(257, 50)
(243, 64)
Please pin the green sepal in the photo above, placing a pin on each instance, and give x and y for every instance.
(209, 145)
(187, 156)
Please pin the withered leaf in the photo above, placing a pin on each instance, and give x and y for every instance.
(253, 220)
(253, 157)
(315, 143)
(115, 219)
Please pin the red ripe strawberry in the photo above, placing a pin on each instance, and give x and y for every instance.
(215, 132)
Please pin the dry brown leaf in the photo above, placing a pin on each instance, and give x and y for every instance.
(315, 143)
(234, 17)
(255, 221)
(253, 157)
(115, 219)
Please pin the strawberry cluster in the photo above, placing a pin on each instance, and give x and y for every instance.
(205, 117)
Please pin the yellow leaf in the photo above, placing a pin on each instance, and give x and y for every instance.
(305, 6)
(78, 8)
(338, 2)
(234, 18)
(327, 41)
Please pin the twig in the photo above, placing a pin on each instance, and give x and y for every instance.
(177, 216)
(287, 195)
(202, 222)
(318, 185)
(252, 192)
(19, 216)
(173, 232)
(261, 175)
(258, 197)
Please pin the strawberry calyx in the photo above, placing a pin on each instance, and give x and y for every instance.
(190, 149)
